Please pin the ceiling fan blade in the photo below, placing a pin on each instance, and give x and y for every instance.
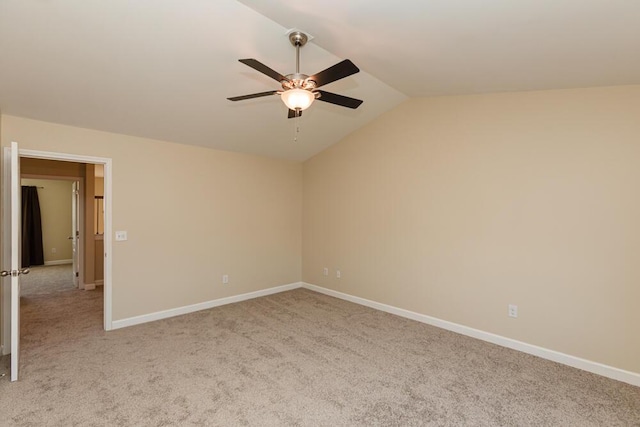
(336, 72)
(343, 101)
(259, 66)
(294, 113)
(253, 95)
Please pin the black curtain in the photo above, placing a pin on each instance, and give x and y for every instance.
(32, 250)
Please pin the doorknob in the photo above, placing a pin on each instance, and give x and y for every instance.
(70, 237)
(5, 273)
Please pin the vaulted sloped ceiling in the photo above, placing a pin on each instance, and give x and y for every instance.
(163, 69)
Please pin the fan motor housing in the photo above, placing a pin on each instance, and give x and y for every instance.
(299, 81)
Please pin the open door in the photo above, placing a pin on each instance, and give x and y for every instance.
(15, 271)
(75, 232)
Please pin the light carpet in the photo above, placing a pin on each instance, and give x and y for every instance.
(47, 279)
(296, 358)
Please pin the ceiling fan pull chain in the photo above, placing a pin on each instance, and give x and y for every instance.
(296, 129)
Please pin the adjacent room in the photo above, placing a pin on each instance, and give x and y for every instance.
(320, 213)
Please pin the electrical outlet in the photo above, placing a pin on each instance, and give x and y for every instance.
(325, 271)
(338, 274)
(225, 279)
(513, 310)
(54, 250)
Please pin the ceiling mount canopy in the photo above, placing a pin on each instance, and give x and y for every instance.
(300, 90)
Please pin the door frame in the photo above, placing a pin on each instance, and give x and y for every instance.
(81, 220)
(108, 232)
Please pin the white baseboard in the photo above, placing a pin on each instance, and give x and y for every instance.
(99, 282)
(158, 315)
(89, 286)
(59, 262)
(555, 356)
(565, 359)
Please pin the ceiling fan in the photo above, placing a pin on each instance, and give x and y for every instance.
(299, 90)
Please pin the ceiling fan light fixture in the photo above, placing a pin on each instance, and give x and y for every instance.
(299, 90)
(298, 99)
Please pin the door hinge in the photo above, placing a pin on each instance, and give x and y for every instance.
(77, 274)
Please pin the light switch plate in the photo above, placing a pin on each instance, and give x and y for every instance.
(121, 236)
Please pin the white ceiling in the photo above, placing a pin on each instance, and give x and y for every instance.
(445, 47)
(164, 68)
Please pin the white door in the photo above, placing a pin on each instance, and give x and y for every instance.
(15, 271)
(75, 232)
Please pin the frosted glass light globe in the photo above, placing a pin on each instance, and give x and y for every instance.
(297, 99)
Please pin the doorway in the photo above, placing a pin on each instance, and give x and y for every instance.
(59, 159)
(72, 204)
(60, 209)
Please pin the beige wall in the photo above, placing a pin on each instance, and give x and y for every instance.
(98, 225)
(99, 260)
(214, 213)
(89, 212)
(30, 166)
(55, 209)
(455, 207)
(99, 185)
(98, 216)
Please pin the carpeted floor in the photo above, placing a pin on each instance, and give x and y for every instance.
(295, 359)
(44, 280)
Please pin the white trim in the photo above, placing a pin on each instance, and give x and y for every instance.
(158, 315)
(59, 262)
(107, 248)
(99, 282)
(108, 221)
(565, 359)
(89, 286)
(77, 158)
